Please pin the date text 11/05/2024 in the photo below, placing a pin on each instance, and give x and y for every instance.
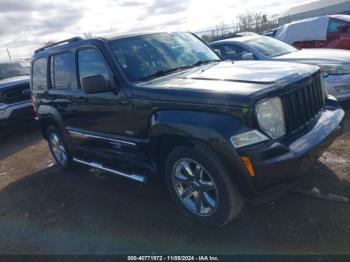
(173, 258)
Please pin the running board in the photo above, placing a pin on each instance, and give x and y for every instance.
(131, 176)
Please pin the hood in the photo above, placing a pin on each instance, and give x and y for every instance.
(12, 81)
(317, 56)
(238, 83)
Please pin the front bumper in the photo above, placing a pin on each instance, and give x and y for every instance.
(16, 113)
(278, 164)
(338, 86)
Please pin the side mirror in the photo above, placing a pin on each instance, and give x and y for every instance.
(95, 84)
(248, 56)
(217, 51)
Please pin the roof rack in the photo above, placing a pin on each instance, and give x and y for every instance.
(69, 40)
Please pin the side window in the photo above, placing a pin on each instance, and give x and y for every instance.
(231, 51)
(333, 25)
(62, 70)
(39, 74)
(90, 62)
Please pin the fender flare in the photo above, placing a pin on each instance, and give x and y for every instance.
(210, 128)
(49, 113)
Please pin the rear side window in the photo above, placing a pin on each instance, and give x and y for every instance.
(90, 63)
(62, 70)
(39, 75)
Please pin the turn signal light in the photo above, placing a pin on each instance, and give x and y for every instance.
(248, 165)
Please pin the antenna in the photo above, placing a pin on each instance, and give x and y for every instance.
(8, 52)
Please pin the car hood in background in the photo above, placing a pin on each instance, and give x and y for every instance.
(13, 81)
(317, 56)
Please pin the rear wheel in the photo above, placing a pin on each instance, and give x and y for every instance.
(201, 186)
(59, 147)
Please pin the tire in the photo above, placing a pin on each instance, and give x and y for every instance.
(215, 198)
(64, 159)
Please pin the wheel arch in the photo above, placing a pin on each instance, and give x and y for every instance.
(211, 131)
(50, 116)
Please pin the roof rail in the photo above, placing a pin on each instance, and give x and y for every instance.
(69, 40)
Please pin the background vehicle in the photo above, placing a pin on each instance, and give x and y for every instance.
(15, 103)
(334, 63)
(332, 31)
(218, 132)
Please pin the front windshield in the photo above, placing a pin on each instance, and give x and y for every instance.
(270, 47)
(8, 70)
(144, 57)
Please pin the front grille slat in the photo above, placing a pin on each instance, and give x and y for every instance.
(302, 106)
(15, 94)
(303, 103)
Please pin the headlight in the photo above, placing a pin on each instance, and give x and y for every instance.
(248, 138)
(270, 117)
(336, 69)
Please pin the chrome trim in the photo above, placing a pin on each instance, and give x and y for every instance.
(132, 176)
(101, 137)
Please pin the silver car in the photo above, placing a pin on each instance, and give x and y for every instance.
(335, 63)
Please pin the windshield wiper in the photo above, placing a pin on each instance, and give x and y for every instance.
(167, 71)
(202, 62)
(161, 73)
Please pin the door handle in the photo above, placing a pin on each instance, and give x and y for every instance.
(82, 99)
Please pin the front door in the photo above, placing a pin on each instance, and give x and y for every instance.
(102, 118)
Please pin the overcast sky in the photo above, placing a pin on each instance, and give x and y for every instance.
(27, 24)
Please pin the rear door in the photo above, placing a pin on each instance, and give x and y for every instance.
(62, 93)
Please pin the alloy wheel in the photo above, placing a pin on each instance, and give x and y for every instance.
(195, 187)
(58, 149)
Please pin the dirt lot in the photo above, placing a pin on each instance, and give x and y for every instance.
(45, 210)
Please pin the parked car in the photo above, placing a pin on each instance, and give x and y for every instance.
(15, 103)
(334, 63)
(331, 31)
(218, 132)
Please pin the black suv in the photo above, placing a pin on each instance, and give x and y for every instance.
(218, 132)
(15, 103)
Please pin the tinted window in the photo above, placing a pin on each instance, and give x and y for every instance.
(334, 24)
(39, 74)
(230, 51)
(91, 63)
(269, 46)
(148, 56)
(62, 71)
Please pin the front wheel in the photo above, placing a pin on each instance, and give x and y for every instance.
(201, 186)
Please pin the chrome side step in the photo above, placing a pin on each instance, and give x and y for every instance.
(131, 176)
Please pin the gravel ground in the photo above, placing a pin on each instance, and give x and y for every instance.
(46, 210)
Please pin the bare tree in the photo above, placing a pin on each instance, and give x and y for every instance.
(255, 22)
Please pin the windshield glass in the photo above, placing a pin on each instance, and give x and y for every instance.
(144, 57)
(8, 70)
(270, 47)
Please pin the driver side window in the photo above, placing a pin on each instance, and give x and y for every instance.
(230, 51)
(91, 63)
